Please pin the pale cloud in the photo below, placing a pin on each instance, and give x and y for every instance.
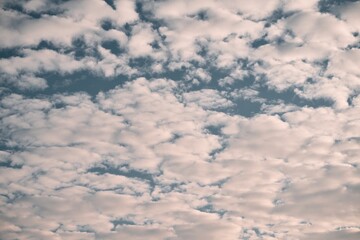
(303, 26)
(326, 89)
(92, 13)
(42, 60)
(25, 82)
(285, 75)
(196, 76)
(140, 42)
(208, 99)
(77, 18)
(22, 30)
(182, 30)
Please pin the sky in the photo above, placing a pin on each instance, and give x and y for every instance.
(180, 119)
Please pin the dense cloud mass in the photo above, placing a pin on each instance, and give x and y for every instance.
(180, 119)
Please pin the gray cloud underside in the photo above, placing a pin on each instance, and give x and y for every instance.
(179, 119)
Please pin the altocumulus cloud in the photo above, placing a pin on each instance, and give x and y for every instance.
(136, 119)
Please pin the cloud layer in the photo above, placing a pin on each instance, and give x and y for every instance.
(179, 119)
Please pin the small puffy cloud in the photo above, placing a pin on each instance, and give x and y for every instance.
(41, 60)
(247, 94)
(207, 98)
(320, 28)
(285, 75)
(140, 42)
(198, 75)
(326, 89)
(25, 82)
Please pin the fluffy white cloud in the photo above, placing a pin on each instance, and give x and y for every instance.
(25, 82)
(207, 98)
(320, 28)
(42, 60)
(76, 19)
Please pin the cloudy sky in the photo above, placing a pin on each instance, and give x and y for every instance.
(180, 119)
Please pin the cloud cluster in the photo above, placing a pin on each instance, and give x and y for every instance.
(228, 119)
(144, 161)
(287, 43)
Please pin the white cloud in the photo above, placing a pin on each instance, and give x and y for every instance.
(141, 40)
(22, 30)
(95, 11)
(25, 82)
(207, 98)
(320, 28)
(285, 75)
(182, 30)
(327, 89)
(41, 60)
(196, 76)
(77, 18)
